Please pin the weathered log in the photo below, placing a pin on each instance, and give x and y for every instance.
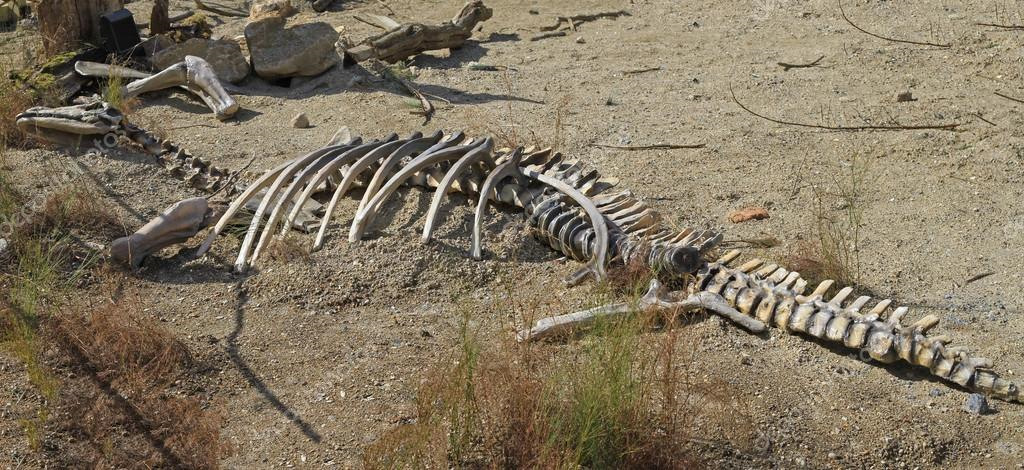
(159, 19)
(409, 39)
(64, 23)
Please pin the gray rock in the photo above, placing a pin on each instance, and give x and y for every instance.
(224, 55)
(300, 121)
(976, 404)
(302, 50)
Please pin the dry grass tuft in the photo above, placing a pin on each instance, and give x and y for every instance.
(126, 408)
(838, 221)
(289, 248)
(13, 100)
(618, 399)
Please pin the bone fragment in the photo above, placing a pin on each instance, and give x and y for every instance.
(176, 224)
(195, 74)
(653, 300)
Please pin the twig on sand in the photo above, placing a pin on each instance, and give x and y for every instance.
(1008, 27)
(234, 176)
(895, 127)
(552, 34)
(979, 277)
(786, 66)
(637, 71)
(583, 18)
(905, 41)
(427, 108)
(1018, 100)
(650, 147)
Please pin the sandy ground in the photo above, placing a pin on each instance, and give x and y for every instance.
(313, 359)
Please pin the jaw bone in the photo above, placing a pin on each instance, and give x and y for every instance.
(197, 76)
(81, 125)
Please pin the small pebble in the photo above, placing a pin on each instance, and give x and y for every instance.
(300, 121)
(904, 97)
(580, 40)
(976, 404)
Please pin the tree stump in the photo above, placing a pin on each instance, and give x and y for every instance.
(65, 23)
(159, 19)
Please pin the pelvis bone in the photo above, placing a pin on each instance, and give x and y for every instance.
(193, 74)
(197, 76)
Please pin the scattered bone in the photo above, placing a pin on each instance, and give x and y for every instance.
(655, 299)
(176, 224)
(197, 76)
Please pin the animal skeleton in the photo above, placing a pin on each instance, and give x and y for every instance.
(573, 212)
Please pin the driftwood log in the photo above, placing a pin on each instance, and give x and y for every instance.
(401, 41)
(63, 23)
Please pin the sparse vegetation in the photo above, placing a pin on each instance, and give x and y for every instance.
(124, 363)
(624, 400)
(838, 212)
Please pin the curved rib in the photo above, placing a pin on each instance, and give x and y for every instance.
(596, 266)
(446, 183)
(389, 164)
(350, 176)
(504, 170)
(238, 203)
(289, 193)
(327, 170)
(416, 143)
(365, 216)
(285, 175)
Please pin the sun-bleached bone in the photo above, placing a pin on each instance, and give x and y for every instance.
(365, 216)
(195, 74)
(655, 299)
(176, 224)
(83, 125)
(755, 295)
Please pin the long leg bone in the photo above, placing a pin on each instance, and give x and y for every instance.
(176, 224)
(198, 76)
(655, 299)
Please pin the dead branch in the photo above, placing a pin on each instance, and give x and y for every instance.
(786, 66)
(583, 18)
(1010, 27)
(174, 19)
(385, 72)
(552, 34)
(409, 39)
(943, 127)
(1018, 100)
(220, 10)
(905, 41)
(650, 147)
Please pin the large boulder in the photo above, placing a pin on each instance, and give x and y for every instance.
(303, 50)
(224, 55)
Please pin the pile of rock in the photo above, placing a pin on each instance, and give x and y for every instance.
(276, 50)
